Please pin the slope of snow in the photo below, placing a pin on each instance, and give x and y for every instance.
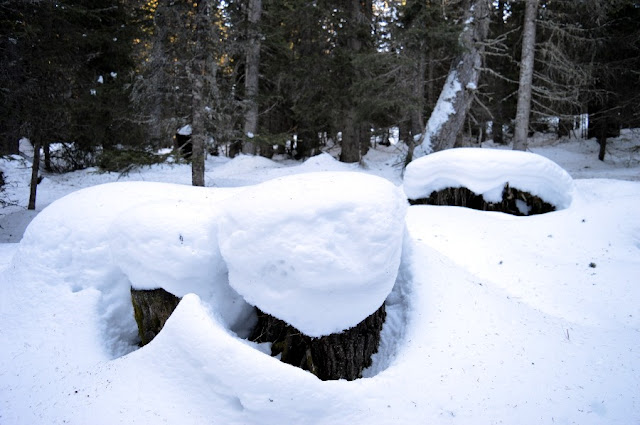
(486, 171)
(493, 318)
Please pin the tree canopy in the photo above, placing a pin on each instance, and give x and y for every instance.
(103, 74)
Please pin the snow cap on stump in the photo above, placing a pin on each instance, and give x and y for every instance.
(320, 251)
(486, 171)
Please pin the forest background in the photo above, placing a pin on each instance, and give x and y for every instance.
(111, 82)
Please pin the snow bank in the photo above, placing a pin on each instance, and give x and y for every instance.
(486, 171)
(320, 250)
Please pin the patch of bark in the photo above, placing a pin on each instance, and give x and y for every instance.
(337, 356)
(463, 197)
(151, 309)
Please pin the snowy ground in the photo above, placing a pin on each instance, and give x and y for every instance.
(493, 318)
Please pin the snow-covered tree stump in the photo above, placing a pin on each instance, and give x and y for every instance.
(513, 182)
(337, 356)
(318, 254)
(151, 309)
(514, 201)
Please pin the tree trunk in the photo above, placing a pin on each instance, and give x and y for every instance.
(252, 74)
(35, 168)
(197, 75)
(47, 156)
(602, 134)
(417, 121)
(354, 139)
(350, 137)
(336, 356)
(526, 76)
(448, 116)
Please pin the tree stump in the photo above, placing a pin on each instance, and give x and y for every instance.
(337, 356)
(514, 201)
(151, 309)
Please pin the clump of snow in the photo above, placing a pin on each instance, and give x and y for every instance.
(440, 115)
(486, 171)
(242, 164)
(324, 162)
(185, 130)
(320, 251)
(173, 245)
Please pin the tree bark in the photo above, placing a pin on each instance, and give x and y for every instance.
(526, 76)
(350, 137)
(354, 139)
(336, 356)
(151, 309)
(417, 120)
(449, 114)
(514, 201)
(35, 168)
(197, 74)
(252, 76)
(47, 156)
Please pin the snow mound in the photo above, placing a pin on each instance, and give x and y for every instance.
(185, 130)
(320, 251)
(486, 171)
(174, 246)
(114, 236)
(323, 162)
(245, 164)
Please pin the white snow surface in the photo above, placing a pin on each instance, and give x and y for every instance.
(486, 171)
(185, 130)
(319, 250)
(492, 319)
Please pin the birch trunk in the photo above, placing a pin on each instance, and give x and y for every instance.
(449, 114)
(526, 76)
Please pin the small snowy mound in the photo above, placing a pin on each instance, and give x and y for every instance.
(320, 251)
(486, 171)
(323, 162)
(243, 164)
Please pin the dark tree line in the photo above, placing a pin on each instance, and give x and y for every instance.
(250, 75)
